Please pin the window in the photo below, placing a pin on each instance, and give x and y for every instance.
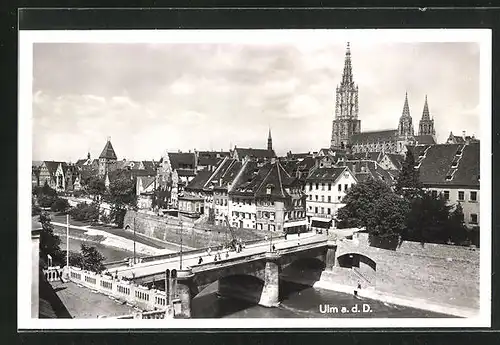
(316, 209)
(473, 196)
(310, 208)
(310, 197)
(317, 185)
(338, 198)
(340, 188)
(329, 198)
(461, 195)
(329, 211)
(434, 193)
(322, 186)
(446, 194)
(345, 187)
(322, 210)
(322, 198)
(316, 198)
(473, 218)
(329, 186)
(310, 186)
(259, 214)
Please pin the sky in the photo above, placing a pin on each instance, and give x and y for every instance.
(151, 98)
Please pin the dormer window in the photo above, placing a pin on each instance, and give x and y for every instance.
(449, 177)
(269, 189)
(454, 164)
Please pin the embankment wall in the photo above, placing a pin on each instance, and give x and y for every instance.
(193, 235)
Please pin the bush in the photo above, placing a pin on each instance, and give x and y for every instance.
(78, 193)
(46, 200)
(60, 205)
(35, 210)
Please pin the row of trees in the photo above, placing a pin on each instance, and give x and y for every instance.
(406, 213)
(47, 197)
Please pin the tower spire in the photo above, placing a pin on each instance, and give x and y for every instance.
(347, 74)
(406, 107)
(426, 124)
(425, 113)
(269, 141)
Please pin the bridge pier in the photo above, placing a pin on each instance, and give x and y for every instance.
(183, 292)
(270, 291)
(331, 255)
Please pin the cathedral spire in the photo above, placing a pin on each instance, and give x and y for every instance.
(425, 113)
(347, 74)
(269, 141)
(406, 107)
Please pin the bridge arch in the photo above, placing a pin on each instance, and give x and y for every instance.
(354, 259)
(303, 270)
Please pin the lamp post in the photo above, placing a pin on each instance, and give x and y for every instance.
(67, 243)
(180, 256)
(134, 241)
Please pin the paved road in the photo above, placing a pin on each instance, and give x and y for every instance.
(191, 260)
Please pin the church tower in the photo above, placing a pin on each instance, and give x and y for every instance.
(269, 141)
(346, 121)
(405, 128)
(426, 124)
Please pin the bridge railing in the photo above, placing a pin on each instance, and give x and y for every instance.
(119, 289)
(203, 250)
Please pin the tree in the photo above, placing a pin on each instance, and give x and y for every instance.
(408, 182)
(88, 259)
(96, 187)
(387, 218)
(457, 232)
(121, 196)
(47, 190)
(49, 242)
(92, 259)
(60, 205)
(428, 220)
(359, 202)
(85, 212)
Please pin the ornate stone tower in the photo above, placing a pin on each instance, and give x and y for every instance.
(405, 128)
(269, 141)
(346, 121)
(426, 124)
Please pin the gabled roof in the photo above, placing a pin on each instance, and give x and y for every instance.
(224, 173)
(441, 165)
(374, 137)
(425, 140)
(199, 181)
(146, 181)
(149, 165)
(255, 153)
(181, 160)
(36, 164)
(364, 169)
(52, 166)
(108, 152)
(278, 179)
(81, 162)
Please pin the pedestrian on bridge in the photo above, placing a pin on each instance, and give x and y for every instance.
(200, 260)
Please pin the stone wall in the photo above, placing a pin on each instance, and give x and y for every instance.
(438, 273)
(195, 235)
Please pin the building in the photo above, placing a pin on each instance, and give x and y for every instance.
(266, 197)
(346, 127)
(145, 190)
(464, 139)
(259, 155)
(325, 190)
(208, 160)
(452, 170)
(107, 158)
(175, 171)
(191, 206)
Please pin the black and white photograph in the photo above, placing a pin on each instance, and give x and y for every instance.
(270, 178)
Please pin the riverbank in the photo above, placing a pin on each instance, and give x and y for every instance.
(418, 303)
(106, 239)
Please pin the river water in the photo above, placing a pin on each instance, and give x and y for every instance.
(297, 301)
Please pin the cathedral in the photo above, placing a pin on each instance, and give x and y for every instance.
(346, 128)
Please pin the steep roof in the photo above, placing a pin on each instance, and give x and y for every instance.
(326, 174)
(52, 166)
(225, 172)
(149, 165)
(278, 179)
(199, 181)
(181, 160)
(396, 159)
(441, 165)
(255, 153)
(374, 137)
(425, 140)
(146, 181)
(364, 169)
(373, 156)
(108, 152)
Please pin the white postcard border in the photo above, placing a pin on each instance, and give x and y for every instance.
(375, 36)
